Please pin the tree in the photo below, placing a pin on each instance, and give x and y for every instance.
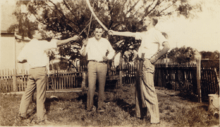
(210, 59)
(182, 55)
(70, 17)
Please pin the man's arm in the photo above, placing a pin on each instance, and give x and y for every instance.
(61, 42)
(83, 49)
(160, 53)
(111, 52)
(126, 34)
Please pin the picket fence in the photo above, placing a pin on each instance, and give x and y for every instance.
(178, 77)
(209, 82)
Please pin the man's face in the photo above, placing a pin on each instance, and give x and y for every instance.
(147, 21)
(98, 33)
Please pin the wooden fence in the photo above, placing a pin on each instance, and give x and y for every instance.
(177, 77)
(209, 82)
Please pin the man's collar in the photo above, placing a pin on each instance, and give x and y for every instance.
(151, 28)
(97, 40)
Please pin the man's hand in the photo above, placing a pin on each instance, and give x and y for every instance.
(111, 32)
(85, 42)
(153, 60)
(105, 58)
(75, 37)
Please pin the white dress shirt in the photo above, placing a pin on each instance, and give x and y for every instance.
(151, 42)
(35, 52)
(97, 49)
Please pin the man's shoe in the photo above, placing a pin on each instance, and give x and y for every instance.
(44, 122)
(155, 125)
(101, 110)
(93, 109)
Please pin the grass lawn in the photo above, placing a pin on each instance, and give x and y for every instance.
(70, 109)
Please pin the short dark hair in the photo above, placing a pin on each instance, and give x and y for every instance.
(155, 21)
(165, 35)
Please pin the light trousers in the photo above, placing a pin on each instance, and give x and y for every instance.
(96, 70)
(37, 81)
(146, 94)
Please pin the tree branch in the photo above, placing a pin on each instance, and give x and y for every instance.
(167, 7)
(132, 7)
(137, 10)
(63, 14)
(68, 7)
(158, 2)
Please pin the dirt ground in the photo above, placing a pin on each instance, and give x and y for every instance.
(69, 109)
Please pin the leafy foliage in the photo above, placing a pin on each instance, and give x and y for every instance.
(182, 55)
(210, 59)
(71, 17)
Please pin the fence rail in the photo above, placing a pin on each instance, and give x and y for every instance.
(209, 82)
(178, 77)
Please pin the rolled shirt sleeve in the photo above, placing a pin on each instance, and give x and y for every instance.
(52, 44)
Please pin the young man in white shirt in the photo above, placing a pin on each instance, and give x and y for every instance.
(96, 48)
(153, 45)
(35, 54)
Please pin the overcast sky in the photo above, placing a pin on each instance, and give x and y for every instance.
(202, 32)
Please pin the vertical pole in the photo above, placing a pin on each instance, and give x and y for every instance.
(198, 78)
(120, 72)
(14, 75)
(138, 90)
(140, 72)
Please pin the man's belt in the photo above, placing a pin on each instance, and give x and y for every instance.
(98, 61)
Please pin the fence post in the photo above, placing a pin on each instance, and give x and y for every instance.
(140, 70)
(120, 71)
(198, 78)
(15, 88)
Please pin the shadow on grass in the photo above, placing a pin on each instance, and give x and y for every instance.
(80, 97)
(188, 96)
(130, 108)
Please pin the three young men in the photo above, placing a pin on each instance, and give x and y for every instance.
(153, 45)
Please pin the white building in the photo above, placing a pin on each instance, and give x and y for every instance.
(8, 52)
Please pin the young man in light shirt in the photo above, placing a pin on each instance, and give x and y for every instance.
(153, 45)
(96, 48)
(35, 54)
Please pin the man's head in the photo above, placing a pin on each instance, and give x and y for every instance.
(147, 21)
(98, 32)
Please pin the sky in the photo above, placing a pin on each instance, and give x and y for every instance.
(201, 32)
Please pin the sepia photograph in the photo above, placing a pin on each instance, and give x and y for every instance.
(132, 63)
